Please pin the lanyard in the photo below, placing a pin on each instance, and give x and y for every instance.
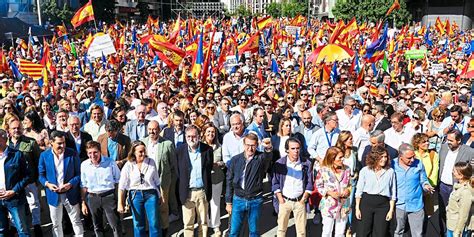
(327, 138)
(462, 126)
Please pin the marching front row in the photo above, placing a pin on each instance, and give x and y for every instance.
(384, 189)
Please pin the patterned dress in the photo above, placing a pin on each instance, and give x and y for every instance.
(327, 180)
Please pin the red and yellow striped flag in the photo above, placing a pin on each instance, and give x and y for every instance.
(31, 69)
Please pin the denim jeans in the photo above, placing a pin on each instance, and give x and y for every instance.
(145, 204)
(450, 233)
(18, 214)
(253, 207)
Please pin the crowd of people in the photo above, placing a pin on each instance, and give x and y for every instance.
(375, 154)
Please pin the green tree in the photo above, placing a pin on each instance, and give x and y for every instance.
(273, 9)
(243, 11)
(371, 11)
(289, 8)
(54, 14)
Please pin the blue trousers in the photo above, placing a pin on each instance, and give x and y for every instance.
(145, 206)
(240, 206)
(18, 212)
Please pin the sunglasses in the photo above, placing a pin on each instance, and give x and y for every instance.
(268, 105)
(201, 100)
(366, 110)
(142, 178)
(470, 126)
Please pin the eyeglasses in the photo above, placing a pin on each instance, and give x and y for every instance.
(470, 126)
(201, 101)
(366, 110)
(290, 97)
(212, 107)
(242, 99)
(304, 94)
(268, 105)
(142, 178)
(272, 84)
(351, 84)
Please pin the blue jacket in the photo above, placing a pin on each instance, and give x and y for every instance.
(131, 130)
(279, 176)
(253, 127)
(72, 175)
(17, 174)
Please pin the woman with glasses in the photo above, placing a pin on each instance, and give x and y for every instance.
(468, 138)
(290, 99)
(271, 119)
(430, 160)
(211, 110)
(140, 178)
(366, 109)
(432, 129)
(199, 102)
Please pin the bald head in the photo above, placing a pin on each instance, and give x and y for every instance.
(368, 122)
(307, 118)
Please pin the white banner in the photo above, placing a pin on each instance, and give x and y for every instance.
(292, 29)
(101, 45)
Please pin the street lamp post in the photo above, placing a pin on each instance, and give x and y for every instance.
(38, 8)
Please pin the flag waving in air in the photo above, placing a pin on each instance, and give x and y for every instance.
(83, 15)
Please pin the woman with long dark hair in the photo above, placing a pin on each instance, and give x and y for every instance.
(376, 194)
(34, 128)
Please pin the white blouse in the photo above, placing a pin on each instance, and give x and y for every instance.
(130, 176)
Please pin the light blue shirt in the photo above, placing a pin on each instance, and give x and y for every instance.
(101, 178)
(141, 131)
(320, 142)
(112, 148)
(195, 180)
(178, 138)
(410, 184)
(384, 185)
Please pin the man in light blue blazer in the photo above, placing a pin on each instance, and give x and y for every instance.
(137, 129)
(59, 172)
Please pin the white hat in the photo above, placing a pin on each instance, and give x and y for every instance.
(418, 100)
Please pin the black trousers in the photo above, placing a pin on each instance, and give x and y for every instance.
(98, 206)
(374, 209)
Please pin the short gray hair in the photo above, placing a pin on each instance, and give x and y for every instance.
(379, 135)
(348, 99)
(404, 147)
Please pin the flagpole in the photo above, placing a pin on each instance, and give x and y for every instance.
(95, 24)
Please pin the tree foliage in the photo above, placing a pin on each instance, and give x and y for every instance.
(54, 14)
(290, 8)
(242, 10)
(371, 11)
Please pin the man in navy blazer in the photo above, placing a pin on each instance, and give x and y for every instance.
(195, 161)
(59, 173)
(17, 175)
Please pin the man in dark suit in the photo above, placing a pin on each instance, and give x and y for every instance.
(109, 104)
(175, 133)
(16, 176)
(381, 122)
(75, 138)
(195, 162)
(59, 172)
(377, 137)
(450, 153)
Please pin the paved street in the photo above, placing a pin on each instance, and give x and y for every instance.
(268, 222)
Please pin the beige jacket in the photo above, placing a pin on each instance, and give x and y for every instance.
(460, 211)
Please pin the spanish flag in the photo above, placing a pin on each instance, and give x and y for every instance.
(470, 68)
(83, 15)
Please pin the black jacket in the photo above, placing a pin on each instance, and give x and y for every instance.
(184, 170)
(254, 174)
(384, 124)
(70, 143)
(168, 134)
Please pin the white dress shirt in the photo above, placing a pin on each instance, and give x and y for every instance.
(447, 175)
(395, 139)
(293, 186)
(59, 166)
(361, 139)
(3, 157)
(130, 176)
(349, 123)
(94, 129)
(231, 146)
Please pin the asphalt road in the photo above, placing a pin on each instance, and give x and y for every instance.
(268, 222)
